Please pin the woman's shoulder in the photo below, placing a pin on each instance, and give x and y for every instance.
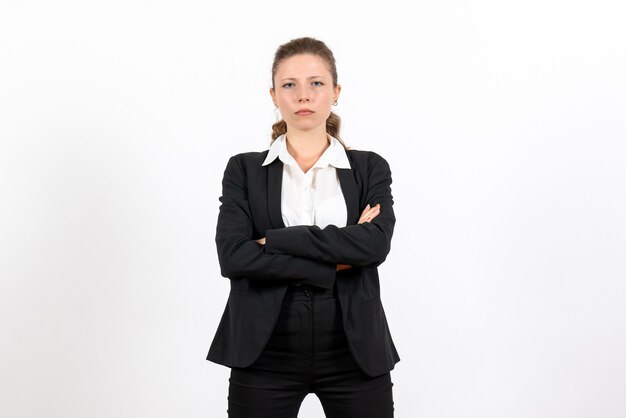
(249, 157)
(365, 158)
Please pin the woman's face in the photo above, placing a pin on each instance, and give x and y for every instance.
(303, 82)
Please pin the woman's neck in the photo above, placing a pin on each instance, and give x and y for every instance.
(306, 146)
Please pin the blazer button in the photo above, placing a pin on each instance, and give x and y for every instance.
(307, 292)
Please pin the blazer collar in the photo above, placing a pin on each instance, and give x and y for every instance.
(347, 182)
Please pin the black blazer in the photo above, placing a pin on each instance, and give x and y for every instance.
(259, 274)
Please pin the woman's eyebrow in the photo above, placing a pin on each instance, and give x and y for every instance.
(313, 76)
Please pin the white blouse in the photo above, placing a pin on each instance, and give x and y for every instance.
(314, 197)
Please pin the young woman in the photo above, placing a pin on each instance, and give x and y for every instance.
(302, 228)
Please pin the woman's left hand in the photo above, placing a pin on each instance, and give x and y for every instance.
(261, 241)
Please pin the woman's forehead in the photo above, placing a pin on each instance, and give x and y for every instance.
(303, 65)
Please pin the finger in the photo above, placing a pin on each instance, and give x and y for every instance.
(369, 217)
(371, 213)
(375, 211)
(371, 210)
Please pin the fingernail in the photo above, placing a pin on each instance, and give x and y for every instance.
(368, 206)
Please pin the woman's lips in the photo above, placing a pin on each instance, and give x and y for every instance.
(304, 112)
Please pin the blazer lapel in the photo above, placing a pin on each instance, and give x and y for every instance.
(350, 193)
(274, 188)
(347, 182)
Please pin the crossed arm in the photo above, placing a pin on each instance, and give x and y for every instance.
(365, 244)
(369, 213)
(240, 256)
(303, 253)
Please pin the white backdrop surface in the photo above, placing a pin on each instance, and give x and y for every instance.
(504, 126)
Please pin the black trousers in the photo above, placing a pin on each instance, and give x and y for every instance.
(308, 353)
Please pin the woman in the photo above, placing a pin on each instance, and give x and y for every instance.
(302, 228)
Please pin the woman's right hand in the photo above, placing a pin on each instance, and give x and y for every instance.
(368, 214)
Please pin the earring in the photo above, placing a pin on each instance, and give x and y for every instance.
(277, 114)
(335, 103)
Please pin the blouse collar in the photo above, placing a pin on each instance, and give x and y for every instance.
(334, 155)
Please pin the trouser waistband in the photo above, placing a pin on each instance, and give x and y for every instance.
(307, 292)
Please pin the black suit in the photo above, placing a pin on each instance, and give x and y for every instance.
(259, 274)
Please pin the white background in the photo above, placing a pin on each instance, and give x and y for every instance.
(503, 124)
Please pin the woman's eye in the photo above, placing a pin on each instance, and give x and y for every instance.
(288, 84)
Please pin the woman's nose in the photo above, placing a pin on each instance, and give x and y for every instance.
(303, 94)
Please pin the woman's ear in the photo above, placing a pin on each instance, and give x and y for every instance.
(273, 96)
(337, 91)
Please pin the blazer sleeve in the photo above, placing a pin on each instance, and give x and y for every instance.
(240, 256)
(360, 245)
